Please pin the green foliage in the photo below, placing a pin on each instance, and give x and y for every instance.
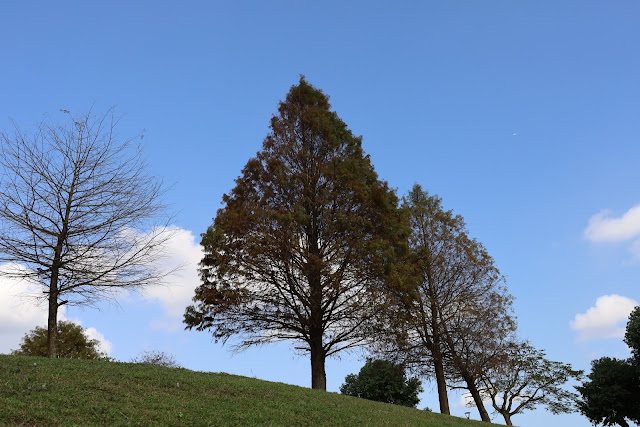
(157, 358)
(383, 381)
(612, 394)
(68, 392)
(72, 342)
(524, 379)
(632, 334)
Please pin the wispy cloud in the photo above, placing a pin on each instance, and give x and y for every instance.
(607, 319)
(184, 253)
(605, 227)
(20, 311)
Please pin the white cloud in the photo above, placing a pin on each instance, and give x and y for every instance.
(465, 401)
(178, 289)
(105, 346)
(605, 228)
(606, 319)
(19, 311)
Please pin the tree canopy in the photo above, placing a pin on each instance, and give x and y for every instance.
(383, 381)
(305, 238)
(632, 333)
(523, 379)
(74, 199)
(612, 394)
(73, 343)
(451, 312)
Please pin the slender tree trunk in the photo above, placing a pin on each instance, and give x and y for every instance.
(623, 422)
(318, 375)
(52, 321)
(443, 398)
(436, 352)
(468, 379)
(471, 386)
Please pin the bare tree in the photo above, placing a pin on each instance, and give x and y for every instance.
(524, 378)
(74, 198)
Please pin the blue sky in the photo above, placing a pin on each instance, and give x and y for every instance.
(522, 116)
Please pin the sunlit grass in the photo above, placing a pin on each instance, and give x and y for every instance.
(38, 391)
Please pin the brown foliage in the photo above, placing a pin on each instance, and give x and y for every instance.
(306, 237)
(452, 311)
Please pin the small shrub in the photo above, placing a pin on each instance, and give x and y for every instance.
(72, 342)
(157, 358)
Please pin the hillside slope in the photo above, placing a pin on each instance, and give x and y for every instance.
(38, 391)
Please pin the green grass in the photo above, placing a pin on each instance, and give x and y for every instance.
(39, 391)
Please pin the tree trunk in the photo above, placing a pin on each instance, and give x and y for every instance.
(443, 398)
(52, 321)
(318, 375)
(623, 422)
(436, 352)
(316, 330)
(507, 418)
(471, 386)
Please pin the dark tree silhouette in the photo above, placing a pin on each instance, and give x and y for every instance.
(301, 248)
(383, 381)
(612, 394)
(632, 333)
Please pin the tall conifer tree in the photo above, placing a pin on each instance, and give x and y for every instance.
(304, 241)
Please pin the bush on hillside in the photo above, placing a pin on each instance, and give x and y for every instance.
(72, 342)
(383, 381)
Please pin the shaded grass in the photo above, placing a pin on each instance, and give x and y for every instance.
(40, 391)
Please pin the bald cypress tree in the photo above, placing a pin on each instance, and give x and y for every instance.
(301, 248)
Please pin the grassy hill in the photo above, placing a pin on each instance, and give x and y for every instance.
(39, 391)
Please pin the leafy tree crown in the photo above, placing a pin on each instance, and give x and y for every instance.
(383, 381)
(632, 334)
(73, 342)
